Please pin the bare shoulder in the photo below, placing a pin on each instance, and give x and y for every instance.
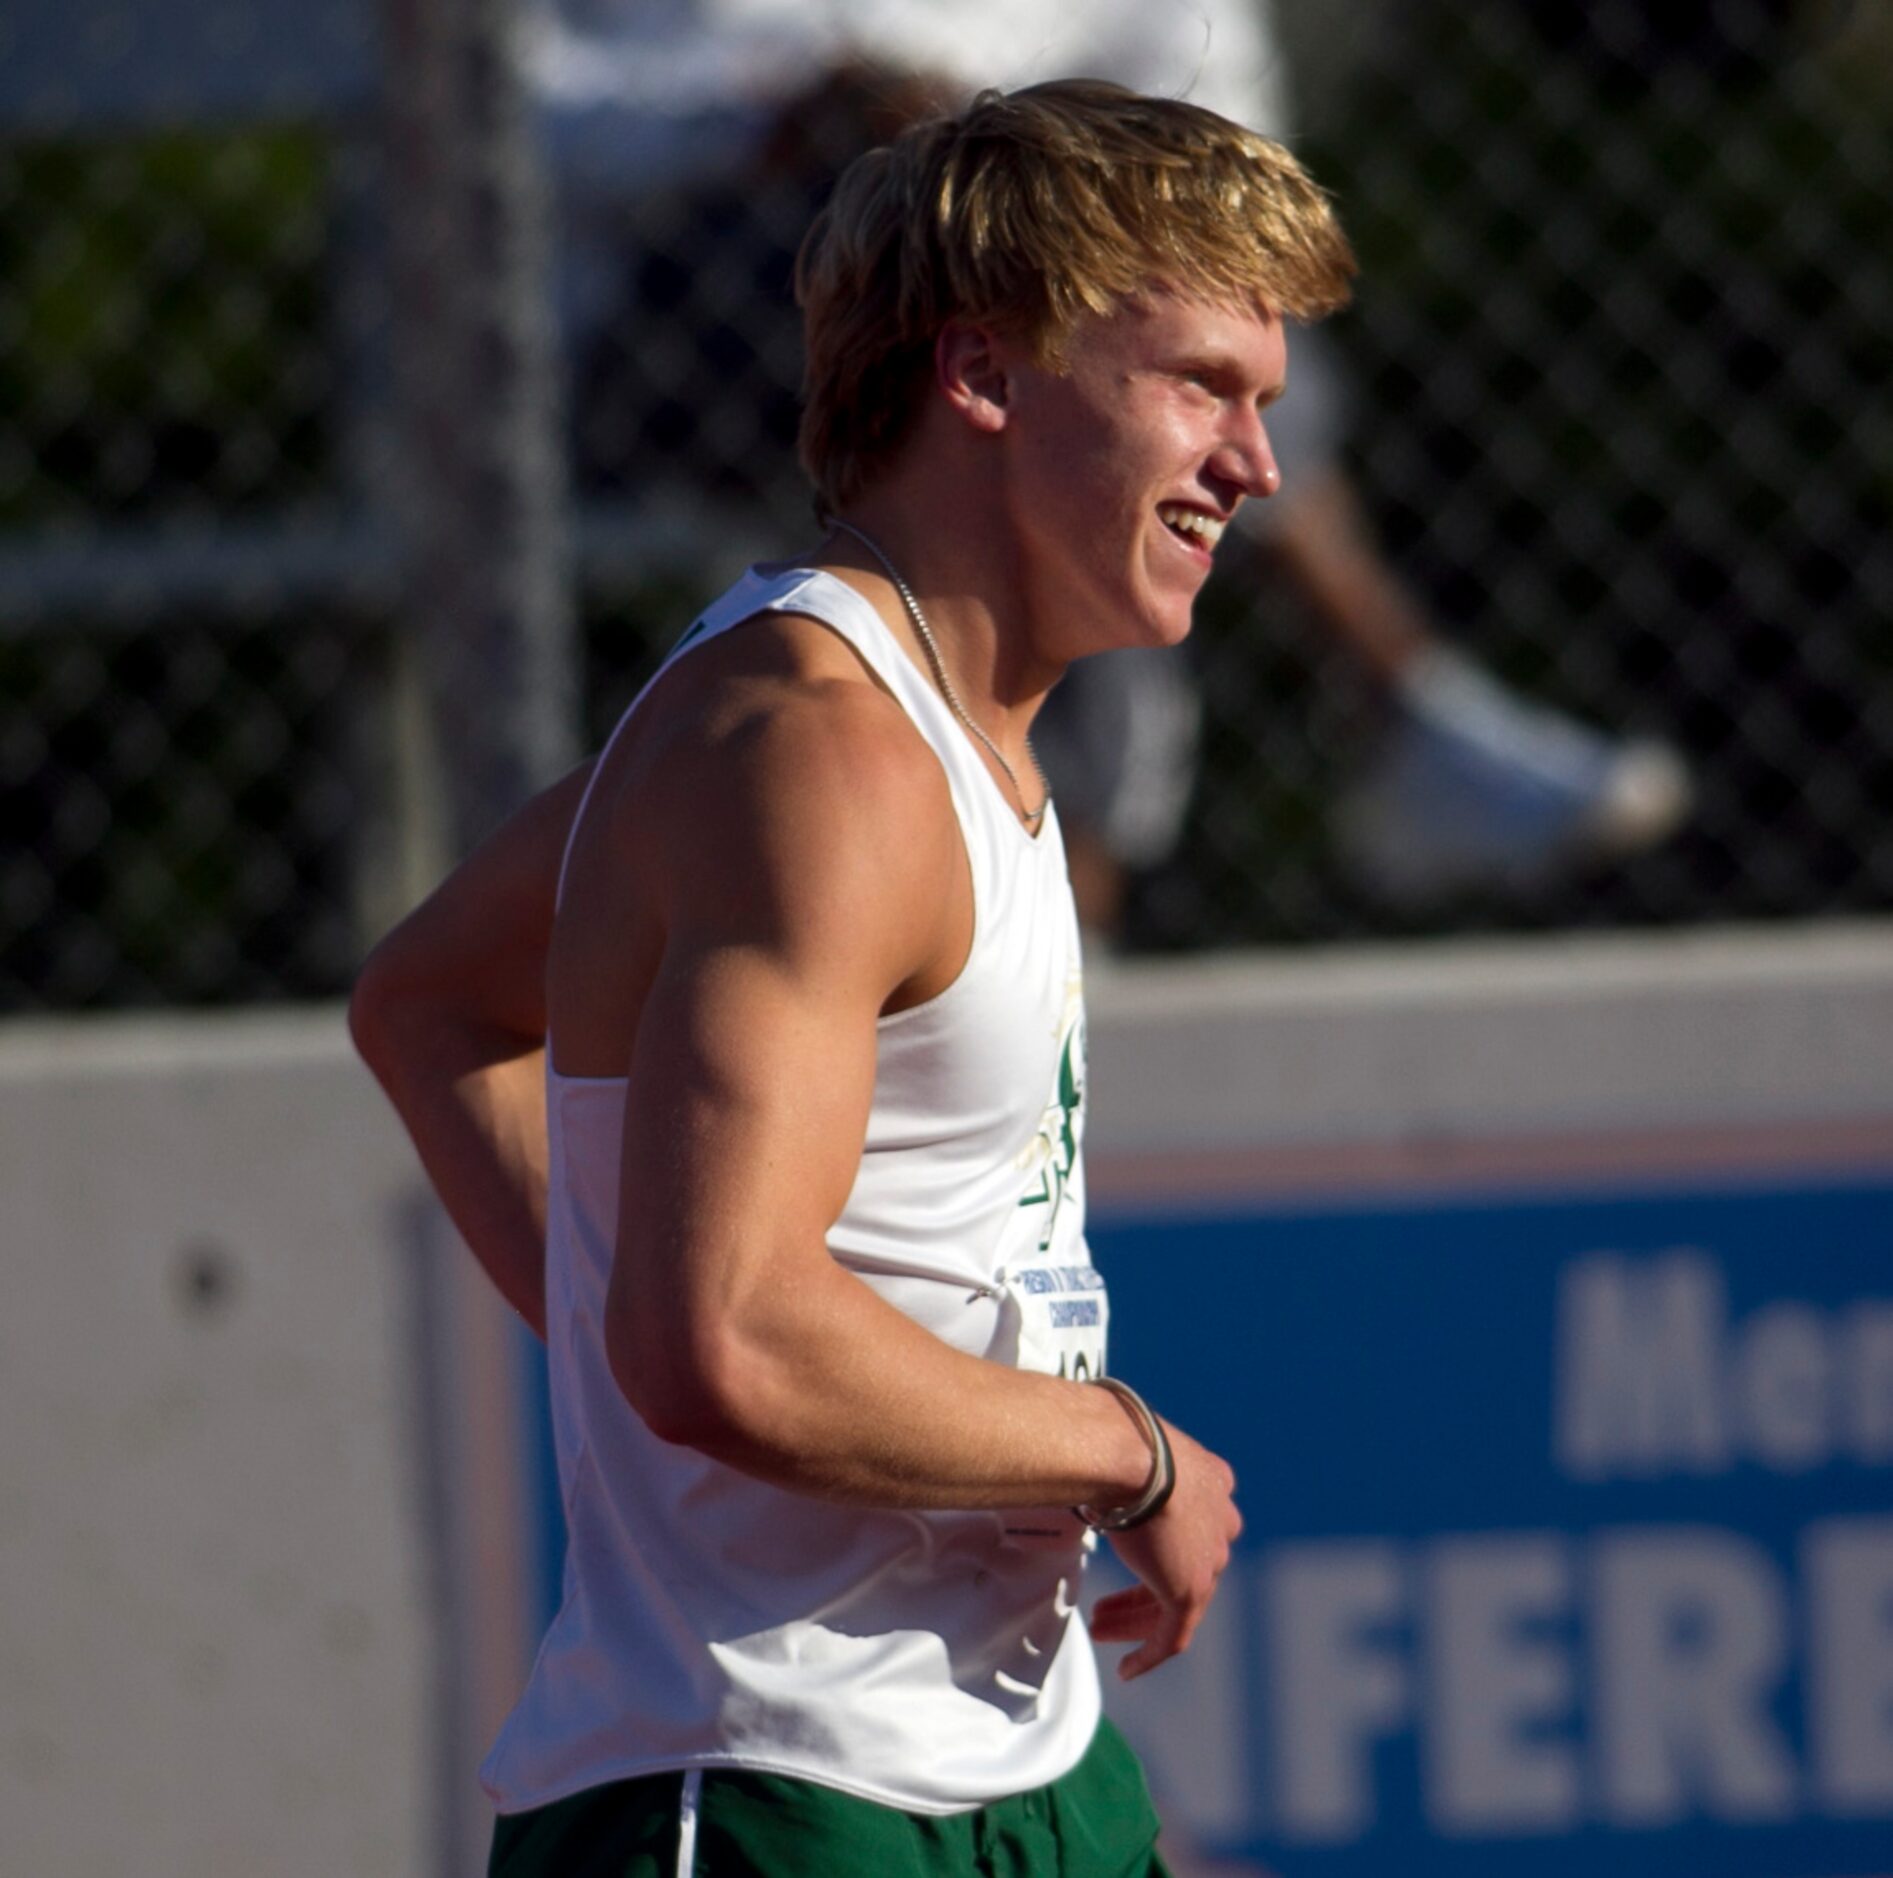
(791, 796)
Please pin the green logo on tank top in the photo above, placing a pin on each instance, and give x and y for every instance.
(1057, 1140)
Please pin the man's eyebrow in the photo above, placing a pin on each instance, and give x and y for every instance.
(1227, 367)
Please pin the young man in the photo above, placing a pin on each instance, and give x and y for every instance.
(824, 1334)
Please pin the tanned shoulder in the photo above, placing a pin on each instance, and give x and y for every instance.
(800, 807)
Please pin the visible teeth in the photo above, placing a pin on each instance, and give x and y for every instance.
(1206, 528)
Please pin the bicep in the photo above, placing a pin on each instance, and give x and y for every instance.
(799, 890)
(745, 1116)
(752, 1067)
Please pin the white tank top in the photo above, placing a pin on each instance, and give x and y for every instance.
(929, 1661)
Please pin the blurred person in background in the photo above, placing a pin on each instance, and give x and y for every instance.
(750, 1059)
(690, 142)
(1666, 440)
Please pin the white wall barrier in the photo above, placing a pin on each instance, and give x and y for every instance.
(243, 1391)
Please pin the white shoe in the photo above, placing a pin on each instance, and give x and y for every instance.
(1480, 789)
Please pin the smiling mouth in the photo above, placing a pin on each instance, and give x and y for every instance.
(1191, 525)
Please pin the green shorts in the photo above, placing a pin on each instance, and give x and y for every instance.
(1097, 1822)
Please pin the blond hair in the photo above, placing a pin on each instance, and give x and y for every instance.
(1024, 212)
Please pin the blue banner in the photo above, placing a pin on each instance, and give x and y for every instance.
(1569, 1539)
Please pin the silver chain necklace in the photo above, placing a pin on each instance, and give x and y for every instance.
(1032, 816)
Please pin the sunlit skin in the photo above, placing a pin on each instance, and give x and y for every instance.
(1026, 512)
(1162, 403)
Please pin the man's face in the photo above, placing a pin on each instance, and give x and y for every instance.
(1124, 468)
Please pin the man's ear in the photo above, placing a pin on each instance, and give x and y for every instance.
(971, 365)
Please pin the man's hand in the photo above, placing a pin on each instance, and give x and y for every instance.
(1179, 1557)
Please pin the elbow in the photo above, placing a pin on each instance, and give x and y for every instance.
(368, 1017)
(677, 1408)
(376, 1009)
(397, 1015)
(684, 1387)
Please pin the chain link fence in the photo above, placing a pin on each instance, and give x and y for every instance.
(1615, 390)
(1624, 351)
(171, 739)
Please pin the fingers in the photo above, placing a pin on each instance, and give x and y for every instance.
(1139, 1616)
(1172, 1639)
(1125, 1616)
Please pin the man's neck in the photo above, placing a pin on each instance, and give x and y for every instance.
(962, 573)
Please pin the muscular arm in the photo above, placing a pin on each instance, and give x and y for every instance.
(810, 888)
(449, 1013)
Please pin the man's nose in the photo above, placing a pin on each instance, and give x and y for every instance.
(1247, 459)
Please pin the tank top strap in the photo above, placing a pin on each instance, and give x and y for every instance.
(818, 595)
(741, 602)
(994, 834)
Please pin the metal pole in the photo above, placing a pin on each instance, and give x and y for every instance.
(480, 468)
(484, 669)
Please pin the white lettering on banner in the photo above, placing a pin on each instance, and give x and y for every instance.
(1653, 1379)
(1848, 1565)
(1782, 1389)
(1690, 1646)
(1637, 1356)
(1868, 1382)
(1336, 1686)
(1493, 1689)
(1630, 1679)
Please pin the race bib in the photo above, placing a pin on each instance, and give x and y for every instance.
(1064, 1315)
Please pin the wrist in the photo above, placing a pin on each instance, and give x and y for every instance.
(1160, 1480)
